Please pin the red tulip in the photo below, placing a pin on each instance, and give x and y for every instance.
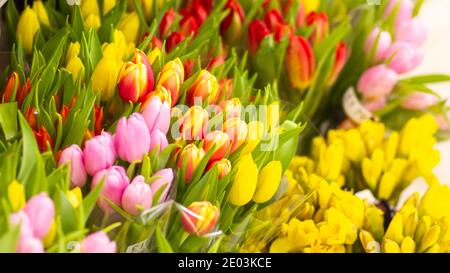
(300, 62)
(321, 26)
(231, 26)
(339, 62)
(188, 26)
(173, 40)
(272, 19)
(257, 31)
(166, 22)
(42, 138)
(7, 92)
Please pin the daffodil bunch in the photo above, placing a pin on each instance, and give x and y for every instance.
(420, 225)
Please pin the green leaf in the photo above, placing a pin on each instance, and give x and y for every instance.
(30, 149)
(90, 200)
(426, 79)
(9, 240)
(8, 119)
(161, 241)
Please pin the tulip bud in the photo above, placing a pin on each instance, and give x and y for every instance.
(89, 7)
(419, 101)
(257, 31)
(405, 57)
(225, 89)
(158, 139)
(41, 212)
(43, 139)
(300, 62)
(171, 78)
(200, 218)
(129, 25)
(49, 238)
(99, 153)
(108, 5)
(74, 156)
(204, 88)
(133, 82)
(192, 155)
(232, 26)
(404, 9)
(92, 21)
(156, 114)
(188, 26)
(137, 196)
(382, 40)
(340, 58)
(194, 123)
(310, 5)
(41, 13)
(16, 195)
(223, 167)
(132, 138)
(166, 22)
(245, 181)
(104, 77)
(321, 26)
(30, 115)
(75, 197)
(173, 40)
(115, 182)
(27, 243)
(75, 66)
(161, 186)
(268, 181)
(374, 105)
(231, 108)
(8, 90)
(220, 142)
(255, 133)
(73, 50)
(27, 27)
(412, 31)
(376, 82)
(98, 242)
(237, 131)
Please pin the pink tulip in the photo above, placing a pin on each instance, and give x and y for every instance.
(376, 82)
(31, 245)
(419, 101)
(405, 57)
(132, 138)
(99, 153)
(382, 40)
(412, 31)
(442, 121)
(162, 185)
(74, 155)
(158, 139)
(137, 196)
(157, 115)
(404, 10)
(27, 242)
(115, 182)
(375, 105)
(98, 242)
(41, 212)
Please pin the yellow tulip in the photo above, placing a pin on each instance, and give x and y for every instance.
(310, 5)
(244, 184)
(255, 133)
(27, 27)
(129, 25)
(268, 181)
(89, 7)
(104, 77)
(92, 21)
(50, 236)
(41, 12)
(16, 195)
(75, 66)
(108, 5)
(152, 55)
(73, 50)
(75, 197)
(147, 6)
(126, 49)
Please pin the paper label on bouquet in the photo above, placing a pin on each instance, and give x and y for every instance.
(353, 108)
(141, 247)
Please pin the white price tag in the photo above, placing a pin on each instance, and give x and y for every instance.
(353, 108)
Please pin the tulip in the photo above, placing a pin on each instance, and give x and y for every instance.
(108, 5)
(223, 167)
(193, 124)
(75, 66)
(272, 19)
(136, 79)
(137, 196)
(129, 25)
(43, 139)
(74, 156)
(245, 181)
(188, 26)
(255, 134)
(340, 58)
(27, 27)
(156, 114)
(161, 186)
(205, 87)
(191, 155)
(16, 195)
(404, 9)
(11, 82)
(49, 238)
(232, 26)
(99, 153)
(382, 40)
(231, 108)
(419, 101)
(300, 62)
(237, 131)
(376, 82)
(75, 197)
(89, 7)
(268, 181)
(27, 243)
(200, 218)
(257, 31)
(132, 138)
(124, 48)
(41, 212)
(310, 5)
(23, 92)
(173, 40)
(321, 26)
(412, 31)
(405, 57)
(147, 6)
(41, 13)
(374, 105)
(104, 77)
(225, 89)
(115, 181)
(73, 50)
(92, 21)
(166, 22)
(171, 78)
(220, 142)
(158, 139)
(98, 242)
(30, 115)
